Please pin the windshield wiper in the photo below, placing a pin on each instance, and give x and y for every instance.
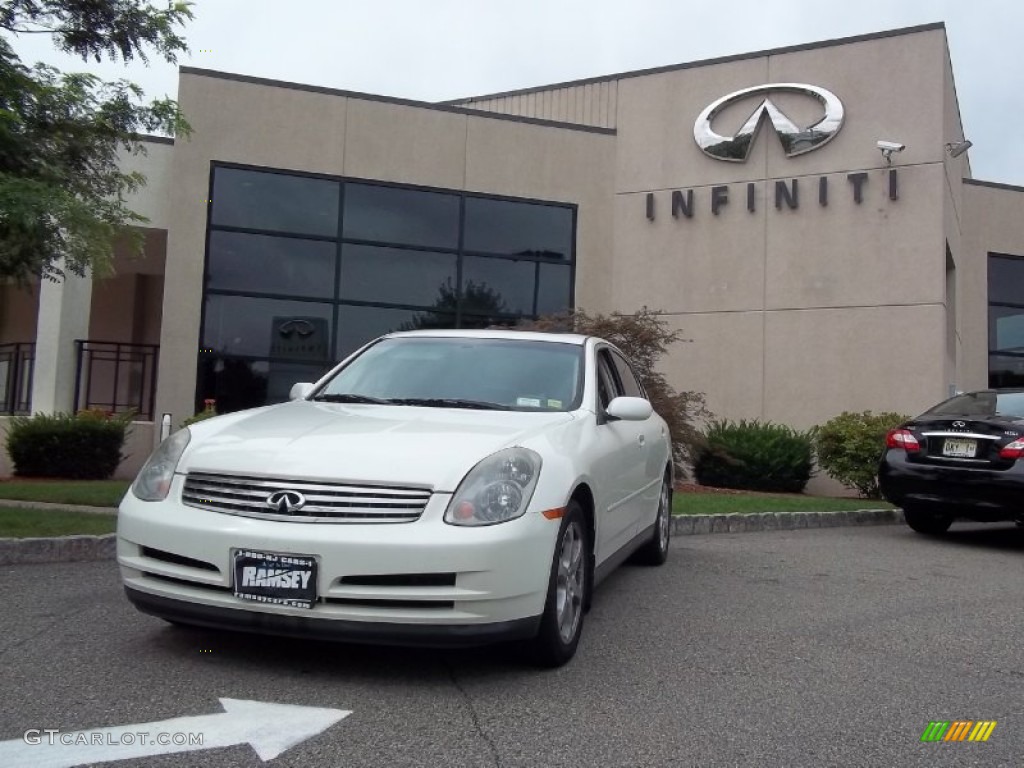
(350, 398)
(445, 402)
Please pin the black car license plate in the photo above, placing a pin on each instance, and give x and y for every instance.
(959, 448)
(264, 577)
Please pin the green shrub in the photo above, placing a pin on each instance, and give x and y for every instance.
(754, 456)
(850, 445)
(86, 446)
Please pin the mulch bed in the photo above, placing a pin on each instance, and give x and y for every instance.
(694, 488)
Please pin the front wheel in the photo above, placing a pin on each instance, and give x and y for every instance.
(925, 522)
(568, 585)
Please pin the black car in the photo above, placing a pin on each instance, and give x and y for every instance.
(958, 460)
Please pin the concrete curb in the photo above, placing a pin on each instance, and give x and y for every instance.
(58, 549)
(693, 525)
(59, 507)
(68, 549)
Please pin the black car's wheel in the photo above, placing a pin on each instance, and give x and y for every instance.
(655, 550)
(568, 585)
(926, 522)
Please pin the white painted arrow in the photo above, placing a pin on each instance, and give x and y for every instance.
(269, 728)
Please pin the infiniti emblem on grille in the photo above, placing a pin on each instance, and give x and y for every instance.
(286, 502)
(959, 424)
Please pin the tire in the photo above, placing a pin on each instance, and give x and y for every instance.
(655, 550)
(925, 522)
(568, 586)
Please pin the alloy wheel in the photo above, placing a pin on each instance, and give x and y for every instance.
(569, 582)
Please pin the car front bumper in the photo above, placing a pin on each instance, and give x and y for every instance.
(978, 494)
(314, 628)
(419, 583)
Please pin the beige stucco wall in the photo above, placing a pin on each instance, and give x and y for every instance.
(150, 200)
(963, 369)
(588, 103)
(280, 127)
(794, 315)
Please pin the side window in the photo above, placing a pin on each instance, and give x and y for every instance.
(630, 386)
(607, 387)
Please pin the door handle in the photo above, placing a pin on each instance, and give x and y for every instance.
(641, 439)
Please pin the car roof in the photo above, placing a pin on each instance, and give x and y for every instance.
(494, 333)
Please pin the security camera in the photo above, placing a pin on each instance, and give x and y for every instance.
(956, 149)
(889, 147)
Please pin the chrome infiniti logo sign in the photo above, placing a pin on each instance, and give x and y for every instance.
(959, 424)
(795, 140)
(286, 502)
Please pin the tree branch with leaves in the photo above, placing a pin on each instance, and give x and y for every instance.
(62, 189)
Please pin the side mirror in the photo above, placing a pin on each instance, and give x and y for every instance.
(300, 390)
(630, 409)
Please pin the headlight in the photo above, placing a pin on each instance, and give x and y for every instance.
(497, 489)
(154, 481)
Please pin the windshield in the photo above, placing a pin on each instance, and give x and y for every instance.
(506, 374)
(981, 404)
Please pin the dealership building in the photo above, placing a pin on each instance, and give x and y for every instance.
(806, 216)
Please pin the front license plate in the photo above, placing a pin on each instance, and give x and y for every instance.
(264, 577)
(959, 448)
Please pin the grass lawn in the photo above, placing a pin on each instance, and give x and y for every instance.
(108, 493)
(25, 523)
(88, 493)
(699, 503)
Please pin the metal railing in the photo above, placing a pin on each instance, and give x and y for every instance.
(17, 361)
(116, 377)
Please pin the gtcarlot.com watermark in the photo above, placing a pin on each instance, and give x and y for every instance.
(53, 736)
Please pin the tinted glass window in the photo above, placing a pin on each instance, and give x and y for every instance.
(554, 289)
(497, 285)
(968, 404)
(630, 386)
(237, 384)
(521, 229)
(521, 375)
(401, 216)
(1006, 280)
(1005, 329)
(275, 201)
(1006, 370)
(607, 390)
(264, 264)
(358, 325)
(396, 276)
(981, 404)
(245, 325)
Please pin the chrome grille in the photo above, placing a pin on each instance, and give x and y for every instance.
(324, 502)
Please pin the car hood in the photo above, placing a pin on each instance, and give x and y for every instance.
(403, 445)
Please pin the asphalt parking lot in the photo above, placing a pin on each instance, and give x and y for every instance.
(830, 647)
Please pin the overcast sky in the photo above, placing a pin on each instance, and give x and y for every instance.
(443, 49)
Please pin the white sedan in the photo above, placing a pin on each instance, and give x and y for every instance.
(435, 488)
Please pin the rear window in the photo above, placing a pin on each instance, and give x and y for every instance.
(981, 404)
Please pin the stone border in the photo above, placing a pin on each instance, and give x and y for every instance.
(67, 549)
(687, 525)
